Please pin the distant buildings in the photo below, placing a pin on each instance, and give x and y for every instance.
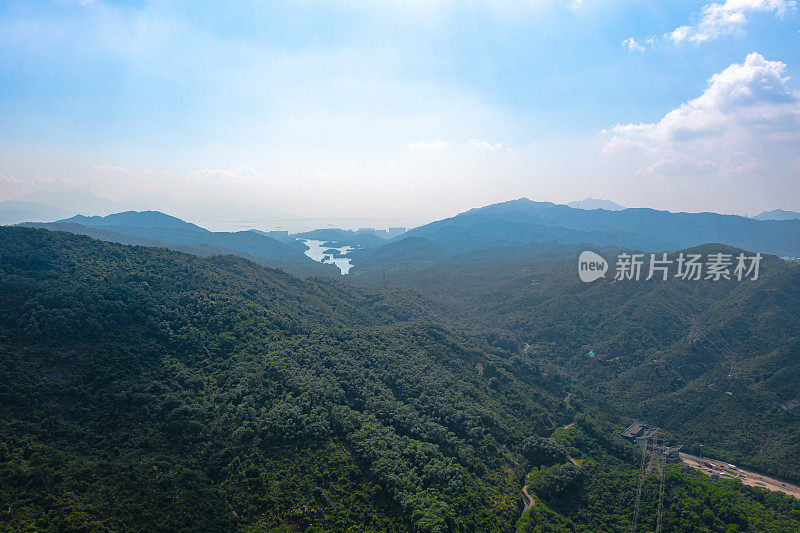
(394, 232)
(382, 233)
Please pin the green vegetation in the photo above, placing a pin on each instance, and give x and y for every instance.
(715, 363)
(152, 228)
(598, 494)
(150, 390)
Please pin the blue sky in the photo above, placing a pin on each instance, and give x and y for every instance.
(397, 107)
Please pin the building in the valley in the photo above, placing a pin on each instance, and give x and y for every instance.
(634, 430)
(647, 438)
(673, 452)
(643, 437)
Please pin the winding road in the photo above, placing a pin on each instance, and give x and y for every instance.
(527, 499)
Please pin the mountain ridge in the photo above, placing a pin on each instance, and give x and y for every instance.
(596, 203)
(146, 219)
(642, 228)
(153, 228)
(777, 214)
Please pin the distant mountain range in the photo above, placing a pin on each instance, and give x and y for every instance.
(492, 230)
(777, 214)
(134, 219)
(520, 222)
(16, 211)
(596, 203)
(47, 206)
(153, 228)
(80, 201)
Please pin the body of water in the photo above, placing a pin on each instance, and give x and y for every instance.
(316, 251)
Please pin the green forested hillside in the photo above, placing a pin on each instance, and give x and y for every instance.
(716, 363)
(149, 390)
(152, 228)
(595, 491)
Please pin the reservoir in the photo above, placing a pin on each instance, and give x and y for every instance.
(316, 251)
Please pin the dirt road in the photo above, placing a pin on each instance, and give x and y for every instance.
(723, 469)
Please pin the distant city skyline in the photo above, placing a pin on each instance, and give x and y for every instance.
(402, 111)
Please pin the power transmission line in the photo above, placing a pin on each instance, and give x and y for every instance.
(642, 472)
(721, 349)
(661, 466)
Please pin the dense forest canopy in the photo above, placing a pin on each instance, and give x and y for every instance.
(715, 362)
(146, 389)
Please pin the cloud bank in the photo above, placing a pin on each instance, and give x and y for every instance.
(729, 18)
(715, 21)
(747, 116)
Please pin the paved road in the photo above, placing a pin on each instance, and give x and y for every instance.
(745, 476)
(527, 499)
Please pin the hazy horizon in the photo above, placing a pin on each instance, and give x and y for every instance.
(235, 216)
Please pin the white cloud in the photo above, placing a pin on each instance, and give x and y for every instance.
(5, 178)
(486, 145)
(634, 46)
(230, 176)
(476, 144)
(112, 169)
(729, 18)
(747, 115)
(716, 20)
(429, 145)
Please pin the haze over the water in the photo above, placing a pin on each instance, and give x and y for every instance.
(401, 111)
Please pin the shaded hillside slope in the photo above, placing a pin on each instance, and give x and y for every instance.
(523, 221)
(152, 228)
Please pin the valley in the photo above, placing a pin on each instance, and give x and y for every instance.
(330, 266)
(460, 382)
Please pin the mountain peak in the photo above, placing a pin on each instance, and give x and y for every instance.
(143, 219)
(596, 203)
(777, 214)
